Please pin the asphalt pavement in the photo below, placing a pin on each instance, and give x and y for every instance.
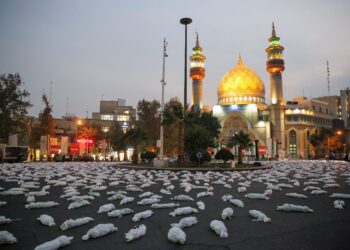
(325, 228)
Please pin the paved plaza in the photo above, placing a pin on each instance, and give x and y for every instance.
(324, 228)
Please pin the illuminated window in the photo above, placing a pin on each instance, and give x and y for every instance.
(293, 144)
(107, 117)
(105, 129)
(245, 98)
(122, 118)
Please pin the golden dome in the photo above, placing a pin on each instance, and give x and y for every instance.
(241, 85)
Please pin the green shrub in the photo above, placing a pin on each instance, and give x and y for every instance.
(205, 157)
(224, 154)
(148, 156)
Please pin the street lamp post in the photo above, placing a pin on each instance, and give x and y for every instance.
(165, 43)
(185, 21)
(181, 157)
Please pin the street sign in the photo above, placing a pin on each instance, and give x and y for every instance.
(262, 150)
(199, 155)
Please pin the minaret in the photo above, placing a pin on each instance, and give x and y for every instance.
(275, 66)
(197, 73)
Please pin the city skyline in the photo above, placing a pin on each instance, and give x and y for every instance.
(112, 50)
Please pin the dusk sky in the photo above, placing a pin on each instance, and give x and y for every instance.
(93, 50)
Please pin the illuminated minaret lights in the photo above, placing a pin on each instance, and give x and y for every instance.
(275, 66)
(197, 73)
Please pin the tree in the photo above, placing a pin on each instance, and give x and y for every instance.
(176, 116)
(116, 137)
(242, 140)
(320, 141)
(224, 154)
(149, 120)
(13, 105)
(47, 123)
(135, 136)
(202, 129)
(171, 132)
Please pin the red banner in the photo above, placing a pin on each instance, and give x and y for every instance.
(74, 149)
(55, 149)
(262, 150)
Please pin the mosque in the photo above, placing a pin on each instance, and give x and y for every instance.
(279, 129)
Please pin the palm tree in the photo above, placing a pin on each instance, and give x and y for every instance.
(135, 136)
(242, 140)
(176, 115)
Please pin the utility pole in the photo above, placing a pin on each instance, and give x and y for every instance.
(165, 43)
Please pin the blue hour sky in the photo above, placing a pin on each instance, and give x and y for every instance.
(93, 50)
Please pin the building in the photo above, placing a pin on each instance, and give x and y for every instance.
(345, 106)
(111, 111)
(281, 128)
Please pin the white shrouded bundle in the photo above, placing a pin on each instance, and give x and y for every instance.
(186, 222)
(226, 197)
(203, 194)
(165, 205)
(182, 197)
(227, 213)
(285, 185)
(165, 191)
(116, 197)
(99, 230)
(126, 200)
(145, 194)
(142, 215)
(67, 224)
(78, 204)
(30, 199)
(176, 235)
(55, 243)
(136, 233)
(201, 205)
(242, 189)
(331, 185)
(183, 210)
(237, 202)
(296, 195)
(38, 193)
(318, 192)
(46, 220)
(340, 195)
(259, 216)
(339, 204)
(7, 238)
(82, 197)
(294, 208)
(106, 208)
(4, 220)
(148, 201)
(120, 212)
(219, 228)
(41, 204)
(268, 192)
(257, 196)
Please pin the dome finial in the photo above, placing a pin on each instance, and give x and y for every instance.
(240, 61)
(273, 30)
(197, 40)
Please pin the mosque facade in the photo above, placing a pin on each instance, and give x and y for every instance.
(279, 129)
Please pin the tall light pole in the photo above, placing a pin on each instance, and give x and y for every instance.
(165, 43)
(181, 157)
(185, 21)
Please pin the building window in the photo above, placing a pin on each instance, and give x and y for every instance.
(320, 109)
(326, 110)
(122, 118)
(292, 144)
(313, 108)
(107, 117)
